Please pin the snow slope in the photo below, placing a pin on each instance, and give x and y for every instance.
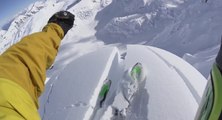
(172, 91)
(82, 85)
(179, 26)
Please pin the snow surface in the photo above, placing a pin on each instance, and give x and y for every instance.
(191, 29)
(80, 85)
(171, 92)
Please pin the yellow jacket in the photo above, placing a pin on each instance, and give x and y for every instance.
(23, 72)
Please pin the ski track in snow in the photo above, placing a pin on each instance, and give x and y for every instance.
(186, 80)
(103, 77)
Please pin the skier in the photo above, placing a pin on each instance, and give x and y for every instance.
(23, 68)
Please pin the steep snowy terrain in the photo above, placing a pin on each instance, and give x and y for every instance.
(191, 29)
(172, 90)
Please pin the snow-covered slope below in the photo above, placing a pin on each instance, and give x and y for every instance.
(81, 86)
(177, 26)
(172, 91)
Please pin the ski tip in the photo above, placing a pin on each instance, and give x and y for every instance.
(105, 88)
(107, 82)
(137, 72)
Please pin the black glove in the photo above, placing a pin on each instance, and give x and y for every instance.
(64, 19)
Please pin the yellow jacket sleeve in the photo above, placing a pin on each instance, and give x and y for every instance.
(25, 63)
(16, 103)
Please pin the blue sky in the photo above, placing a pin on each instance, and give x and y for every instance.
(9, 8)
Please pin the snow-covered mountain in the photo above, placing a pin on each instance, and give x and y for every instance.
(191, 29)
